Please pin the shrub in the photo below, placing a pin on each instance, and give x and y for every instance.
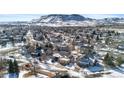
(119, 61)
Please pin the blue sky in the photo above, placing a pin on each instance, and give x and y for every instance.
(18, 17)
(28, 17)
(100, 16)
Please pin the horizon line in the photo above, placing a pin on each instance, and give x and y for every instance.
(29, 17)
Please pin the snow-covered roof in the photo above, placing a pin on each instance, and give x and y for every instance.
(57, 55)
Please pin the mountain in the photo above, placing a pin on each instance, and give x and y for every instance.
(74, 20)
(64, 20)
(111, 21)
(53, 18)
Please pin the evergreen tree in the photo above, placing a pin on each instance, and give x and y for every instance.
(108, 60)
(16, 67)
(106, 57)
(97, 38)
(11, 67)
(94, 32)
(100, 34)
(107, 40)
(12, 40)
(92, 36)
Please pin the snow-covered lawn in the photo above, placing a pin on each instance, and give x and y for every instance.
(116, 73)
(21, 74)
